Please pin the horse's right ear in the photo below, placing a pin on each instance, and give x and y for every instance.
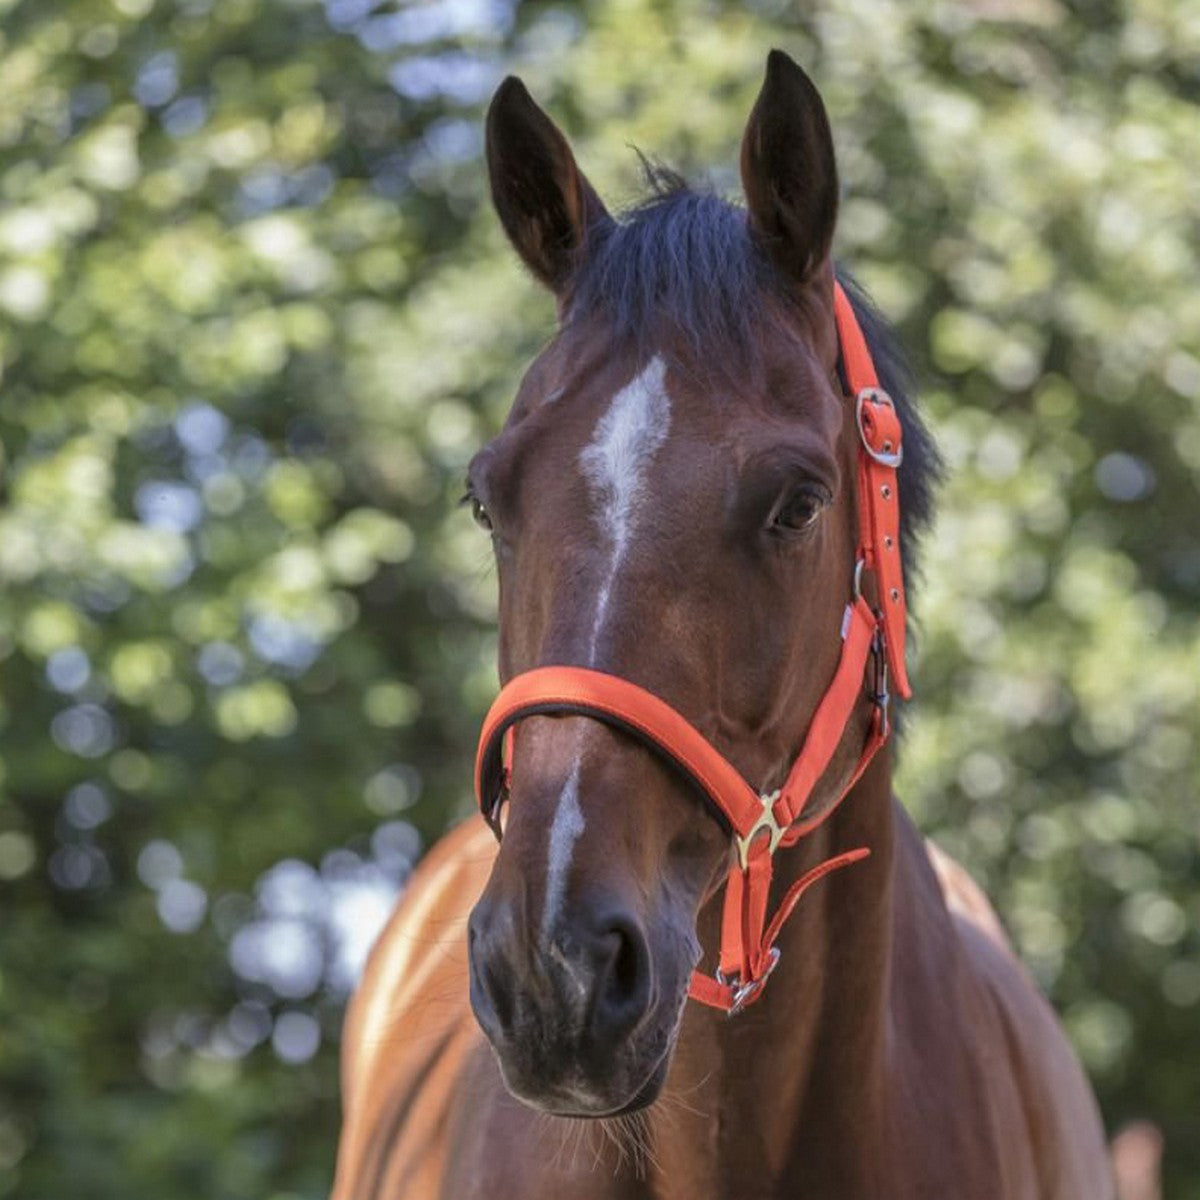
(544, 202)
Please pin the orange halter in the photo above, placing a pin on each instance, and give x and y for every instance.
(760, 823)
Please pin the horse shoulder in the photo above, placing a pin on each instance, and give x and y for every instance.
(1059, 1110)
(409, 1029)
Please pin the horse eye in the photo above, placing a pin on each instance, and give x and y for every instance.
(798, 511)
(480, 514)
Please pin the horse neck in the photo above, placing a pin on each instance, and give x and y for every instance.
(745, 1094)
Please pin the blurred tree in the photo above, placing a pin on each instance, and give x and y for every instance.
(254, 319)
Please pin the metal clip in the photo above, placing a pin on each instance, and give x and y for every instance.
(859, 567)
(767, 821)
(494, 816)
(743, 993)
(881, 697)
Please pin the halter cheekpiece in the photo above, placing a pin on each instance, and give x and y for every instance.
(872, 651)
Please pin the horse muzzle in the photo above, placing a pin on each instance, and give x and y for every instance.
(573, 1016)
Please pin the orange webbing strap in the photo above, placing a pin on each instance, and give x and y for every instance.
(856, 358)
(566, 690)
(736, 988)
(829, 721)
(745, 950)
(878, 491)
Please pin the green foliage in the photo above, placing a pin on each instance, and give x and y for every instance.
(254, 318)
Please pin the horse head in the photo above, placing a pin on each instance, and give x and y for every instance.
(672, 501)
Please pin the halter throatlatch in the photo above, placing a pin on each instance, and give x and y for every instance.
(872, 651)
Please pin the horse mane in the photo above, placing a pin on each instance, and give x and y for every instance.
(681, 266)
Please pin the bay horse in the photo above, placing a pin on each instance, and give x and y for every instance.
(693, 506)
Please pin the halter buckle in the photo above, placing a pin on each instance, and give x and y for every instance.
(883, 427)
(766, 821)
(743, 993)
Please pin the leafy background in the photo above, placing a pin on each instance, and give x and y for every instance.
(255, 316)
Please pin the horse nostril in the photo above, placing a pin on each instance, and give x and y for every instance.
(622, 991)
(491, 993)
(625, 966)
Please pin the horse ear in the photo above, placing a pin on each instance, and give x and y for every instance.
(788, 170)
(544, 202)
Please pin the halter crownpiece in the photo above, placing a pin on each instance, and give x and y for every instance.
(871, 638)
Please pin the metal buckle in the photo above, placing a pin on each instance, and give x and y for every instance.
(767, 821)
(885, 457)
(494, 816)
(880, 695)
(743, 993)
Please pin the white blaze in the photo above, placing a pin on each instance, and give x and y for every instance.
(614, 463)
(565, 830)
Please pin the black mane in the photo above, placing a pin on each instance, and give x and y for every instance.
(682, 264)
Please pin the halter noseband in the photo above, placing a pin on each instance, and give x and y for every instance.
(760, 824)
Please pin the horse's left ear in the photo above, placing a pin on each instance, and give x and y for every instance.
(788, 170)
(543, 199)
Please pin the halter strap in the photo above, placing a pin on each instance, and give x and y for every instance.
(880, 454)
(872, 638)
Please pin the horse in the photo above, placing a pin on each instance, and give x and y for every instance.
(704, 525)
